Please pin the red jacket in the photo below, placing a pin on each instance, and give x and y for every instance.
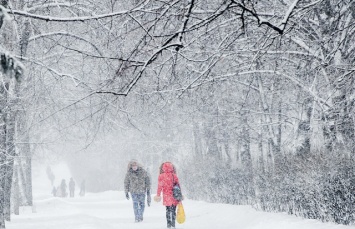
(166, 181)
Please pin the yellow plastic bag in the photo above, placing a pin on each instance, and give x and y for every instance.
(180, 215)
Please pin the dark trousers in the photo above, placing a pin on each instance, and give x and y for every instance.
(171, 215)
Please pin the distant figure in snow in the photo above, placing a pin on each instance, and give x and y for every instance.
(54, 191)
(58, 191)
(71, 187)
(82, 188)
(50, 174)
(137, 182)
(166, 181)
(63, 189)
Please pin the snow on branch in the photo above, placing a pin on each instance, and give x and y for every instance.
(134, 81)
(149, 61)
(261, 21)
(295, 81)
(3, 15)
(68, 19)
(186, 19)
(9, 65)
(48, 5)
(63, 33)
(214, 15)
(288, 14)
(73, 19)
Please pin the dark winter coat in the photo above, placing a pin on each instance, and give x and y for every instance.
(137, 182)
(71, 185)
(166, 181)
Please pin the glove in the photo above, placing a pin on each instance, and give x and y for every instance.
(149, 200)
(157, 198)
(149, 197)
(127, 196)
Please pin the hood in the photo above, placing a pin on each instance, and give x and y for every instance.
(131, 163)
(167, 167)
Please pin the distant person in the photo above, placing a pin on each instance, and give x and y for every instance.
(54, 191)
(63, 189)
(166, 181)
(82, 188)
(137, 183)
(71, 187)
(50, 174)
(58, 191)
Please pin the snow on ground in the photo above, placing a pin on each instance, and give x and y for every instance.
(111, 210)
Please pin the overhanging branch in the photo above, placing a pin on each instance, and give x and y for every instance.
(75, 19)
(261, 21)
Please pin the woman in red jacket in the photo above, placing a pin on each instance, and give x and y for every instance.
(166, 180)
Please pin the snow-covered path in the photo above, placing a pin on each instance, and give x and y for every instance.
(111, 210)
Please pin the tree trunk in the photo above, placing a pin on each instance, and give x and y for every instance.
(23, 130)
(3, 100)
(16, 191)
(7, 189)
(261, 163)
(211, 140)
(10, 144)
(22, 182)
(273, 139)
(245, 155)
(304, 129)
(226, 143)
(25, 163)
(345, 102)
(246, 162)
(197, 140)
(28, 172)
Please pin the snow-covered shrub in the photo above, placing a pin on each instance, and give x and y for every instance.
(318, 187)
(338, 195)
(215, 182)
(314, 187)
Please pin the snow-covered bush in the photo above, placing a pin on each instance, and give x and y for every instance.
(319, 187)
(217, 183)
(316, 187)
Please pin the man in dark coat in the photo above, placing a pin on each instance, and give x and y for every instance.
(71, 187)
(137, 182)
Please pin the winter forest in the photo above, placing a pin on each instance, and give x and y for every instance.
(252, 100)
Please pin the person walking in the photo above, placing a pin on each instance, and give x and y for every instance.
(71, 187)
(82, 188)
(137, 183)
(166, 181)
(54, 191)
(63, 189)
